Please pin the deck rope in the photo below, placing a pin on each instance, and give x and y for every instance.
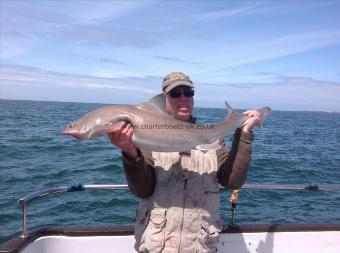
(233, 200)
(234, 196)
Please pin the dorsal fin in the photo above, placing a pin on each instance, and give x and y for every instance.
(156, 102)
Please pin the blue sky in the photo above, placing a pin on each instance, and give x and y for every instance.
(282, 54)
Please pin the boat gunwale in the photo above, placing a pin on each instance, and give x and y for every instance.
(18, 243)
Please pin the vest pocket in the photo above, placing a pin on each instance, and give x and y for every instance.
(210, 184)
(211, 196)
(141, 222)
(155, 232)
(207, 238)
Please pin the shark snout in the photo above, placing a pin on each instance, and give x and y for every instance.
(72, 132)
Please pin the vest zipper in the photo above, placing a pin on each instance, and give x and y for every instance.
(207, 192)
(180, 238)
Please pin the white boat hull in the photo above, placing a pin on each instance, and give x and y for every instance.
(273, 242)
(237, 239)
(281, 242)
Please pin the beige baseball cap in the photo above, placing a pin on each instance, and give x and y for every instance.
(175, 79)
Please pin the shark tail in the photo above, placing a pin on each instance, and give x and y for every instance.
(228, 107)
(239, 118)
(233, 116)
(265, 112)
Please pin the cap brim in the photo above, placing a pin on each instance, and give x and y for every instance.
(176, 84)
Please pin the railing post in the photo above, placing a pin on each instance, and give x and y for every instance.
(24, 224)
(73, 188)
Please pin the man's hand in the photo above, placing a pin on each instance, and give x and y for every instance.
(252, 121)
(121, 137)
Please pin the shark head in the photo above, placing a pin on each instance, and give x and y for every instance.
(74, 129)
(89, 127)
(81, 129)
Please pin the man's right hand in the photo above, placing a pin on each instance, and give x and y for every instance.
(121, 137)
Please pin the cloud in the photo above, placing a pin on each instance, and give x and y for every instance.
(263, 73)
(224, 13)
(126, 24)
(292, 93)
(109, 60)
(9, 50)
(30, 76)
(291, 7)
(101, 11)
(286, 93)
(260, 8)
(173, 59)
(270, 49)
(21, 23)
(91, 59)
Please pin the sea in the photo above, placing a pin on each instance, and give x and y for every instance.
(292, 148)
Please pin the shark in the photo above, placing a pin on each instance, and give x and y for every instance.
(156, 130)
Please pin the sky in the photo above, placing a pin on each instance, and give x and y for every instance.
(282, 54)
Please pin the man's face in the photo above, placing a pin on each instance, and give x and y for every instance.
(180, 102)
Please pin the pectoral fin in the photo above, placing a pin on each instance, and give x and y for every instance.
(212, 146)
(107, 128)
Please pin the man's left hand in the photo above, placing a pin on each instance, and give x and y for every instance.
(252, 120)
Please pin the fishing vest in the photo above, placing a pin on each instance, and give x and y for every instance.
(182, 215)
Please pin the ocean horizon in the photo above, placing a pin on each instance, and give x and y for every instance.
(197, 107)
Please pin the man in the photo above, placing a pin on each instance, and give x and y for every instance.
(179, 192)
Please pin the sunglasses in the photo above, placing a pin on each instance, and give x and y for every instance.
(178, 93)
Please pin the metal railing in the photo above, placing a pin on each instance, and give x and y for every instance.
(82, 187)
(324, 187)
(73, 188)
